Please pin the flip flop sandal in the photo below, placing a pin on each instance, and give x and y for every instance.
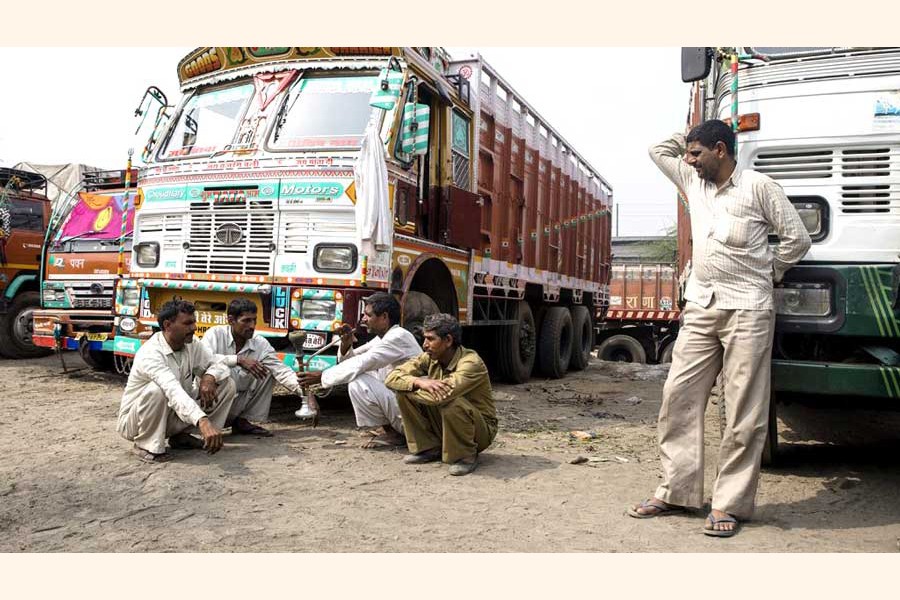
(149, 457)
(185, 442)
(381, 441)
(660, 509)
(252, 430)
(721, 532)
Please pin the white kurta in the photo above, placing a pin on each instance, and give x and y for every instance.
(161, 392)
(364, 370)
(254, 396)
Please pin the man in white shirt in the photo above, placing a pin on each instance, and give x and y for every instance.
(364, 369)
(254, 367)
(729, 323)
(174, 385)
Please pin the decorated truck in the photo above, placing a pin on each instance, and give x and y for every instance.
(306, 178)
(86, 251)
(24, 214)
(825, 124)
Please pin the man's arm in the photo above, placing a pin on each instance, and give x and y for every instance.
(401, 379)
(377, 354)
(283, 374)
(470, 373)
(793, 239)
(214, 340)
(667, 155)
(155, 368)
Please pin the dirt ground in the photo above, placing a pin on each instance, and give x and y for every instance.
(68, 483)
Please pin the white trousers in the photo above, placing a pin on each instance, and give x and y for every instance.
(373, 403)
(739, 342)
(150, 420)
(253, 403)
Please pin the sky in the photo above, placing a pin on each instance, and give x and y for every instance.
(76, 105)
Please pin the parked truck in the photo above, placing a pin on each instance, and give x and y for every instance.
(88, 238)
(24, 214)
(644, 313)
(307, 178)
(825, 124)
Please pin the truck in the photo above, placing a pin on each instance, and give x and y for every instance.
(88, 237)
(306, 178)
(644, 312)
(24, 214)
(825, 124)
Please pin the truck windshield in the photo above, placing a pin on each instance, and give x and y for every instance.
(324, 112)
(208, 121)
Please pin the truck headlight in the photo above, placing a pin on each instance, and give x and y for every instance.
(49, 295)
(803, 299)
(811, 215)
(317, 310)
(146, 254)
(334, 258)
(131, 296)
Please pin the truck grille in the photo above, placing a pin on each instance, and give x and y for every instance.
(298, 230)
(91, 294)
(234, 236)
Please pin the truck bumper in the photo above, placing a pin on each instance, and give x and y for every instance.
(76, 327)
(836, 379)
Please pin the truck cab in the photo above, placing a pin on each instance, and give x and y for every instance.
(24, 214)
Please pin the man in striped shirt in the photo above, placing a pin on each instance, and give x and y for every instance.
(729, 322)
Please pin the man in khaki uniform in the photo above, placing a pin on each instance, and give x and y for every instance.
(729, 322)
(446, 400)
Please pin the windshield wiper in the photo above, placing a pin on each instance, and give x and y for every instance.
(282, 115)
(77, 237)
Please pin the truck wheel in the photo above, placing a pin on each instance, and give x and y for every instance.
(516, 345)
(95, 359)
(17, 326)
(582, 338)
(555, 343)
(666, 355)
(622, 348)
(417, 306)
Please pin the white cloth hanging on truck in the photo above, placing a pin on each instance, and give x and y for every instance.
(373, 213)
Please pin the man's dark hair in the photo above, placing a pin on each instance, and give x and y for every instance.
(239, 306)
(444, 325)
(170, 310)
(709, 133)
(382, 302)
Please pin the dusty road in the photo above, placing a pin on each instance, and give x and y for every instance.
(68, 483)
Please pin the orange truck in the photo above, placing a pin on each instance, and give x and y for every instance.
(81, 266)
(24, 214)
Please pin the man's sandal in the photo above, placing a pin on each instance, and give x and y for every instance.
(713, 521)
(659, 507)
(244, 427)
(149, 457)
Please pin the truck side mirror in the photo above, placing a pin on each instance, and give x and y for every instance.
(695, 63)
(414, 128)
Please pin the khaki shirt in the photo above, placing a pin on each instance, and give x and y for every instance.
(730, 225)
(466, 373)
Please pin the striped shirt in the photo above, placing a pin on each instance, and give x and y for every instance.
(730, 225)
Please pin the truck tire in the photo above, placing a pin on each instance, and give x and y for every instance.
(95, 359)
(555, 342)
(582, 338)
(516, 345)
(16, 328)
(622, 348)
(665, 356)
(417, 306)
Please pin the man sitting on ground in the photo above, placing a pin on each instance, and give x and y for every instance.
(254, 367)
(446, 400)
(169, 375)
(365, 368)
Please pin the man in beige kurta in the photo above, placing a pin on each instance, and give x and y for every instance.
(729, 322)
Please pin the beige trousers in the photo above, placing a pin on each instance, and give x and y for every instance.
(150, 421)
(739, 342)
(457, 428)
(253, 403)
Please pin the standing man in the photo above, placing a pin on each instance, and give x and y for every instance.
(174, 385)
(446, 399)
(254, 367)
(364, 369)
(729, 321)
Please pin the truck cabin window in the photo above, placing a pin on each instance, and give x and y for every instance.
(324, 113)
(208, 121)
